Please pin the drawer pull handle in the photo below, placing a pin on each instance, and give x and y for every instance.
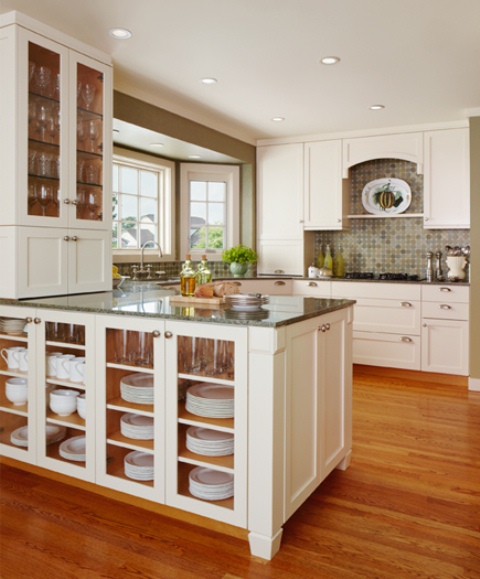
(406, 339)
(445, 289)
(312, 284)
(168, 335)
(279, 282)
(279, 271)
(445, 307)
(406, 305)
(36, 320)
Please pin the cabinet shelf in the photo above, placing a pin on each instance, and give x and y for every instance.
(122, 405)
(73, 420)
(202, 377)
(223, 463)
(64, 383)
(19, 410)
(118, 439)
(185, 417)
(15, 337)
(68, 345)
(130, 368)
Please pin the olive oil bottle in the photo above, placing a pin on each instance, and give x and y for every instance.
(187, 277)
(203, 274)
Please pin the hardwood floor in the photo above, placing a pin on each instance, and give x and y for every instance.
(408, 506)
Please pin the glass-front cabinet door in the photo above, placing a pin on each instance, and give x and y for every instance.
(69, 119)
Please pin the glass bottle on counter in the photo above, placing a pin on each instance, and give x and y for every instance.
(338, 264)
(328, 261)
(187, 277)
(319, 260)
(203, 275)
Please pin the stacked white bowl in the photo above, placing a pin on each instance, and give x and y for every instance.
(81, 405)
(16, 390)
(63, 401)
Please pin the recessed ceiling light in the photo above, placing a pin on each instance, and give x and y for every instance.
(208, 80)
(120, 33)
(194, 157)
(278, 119)
(330, 60)
(156, 145)
(377, 107)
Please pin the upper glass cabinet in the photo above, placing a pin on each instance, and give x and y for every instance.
(56, 107)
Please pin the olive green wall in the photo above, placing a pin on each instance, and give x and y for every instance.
(475, 247)
(142, 114)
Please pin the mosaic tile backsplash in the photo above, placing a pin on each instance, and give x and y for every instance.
(390, 245)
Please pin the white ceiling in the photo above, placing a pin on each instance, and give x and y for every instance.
(419, 58)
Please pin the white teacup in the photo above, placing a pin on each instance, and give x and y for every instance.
(12, 356)
(77, 369)
(63, 402)
(63, 366)
(51, 362)
(16, 390)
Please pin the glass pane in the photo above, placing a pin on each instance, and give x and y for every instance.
(216, 214)
(148, 184)
(198, 212)
(148, 232)
(128, 207)
(115, 206)
(197, 237)
(217, 191)
(129, 235)
(115, 178)
(198, 190)
(148, 209)
(128, 180)
(216, 237)
(115, 239)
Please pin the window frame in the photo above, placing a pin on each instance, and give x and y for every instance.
(166, 220)
(230, 174)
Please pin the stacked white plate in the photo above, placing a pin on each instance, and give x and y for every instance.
(137, 426)
(211, 400)
(209, 442)
(139, 465)
(54, 433)
(137, 388)
(11, 325)
(73, 449)
(246, 302)
(211, 485)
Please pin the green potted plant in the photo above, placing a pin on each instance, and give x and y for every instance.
(239, 257)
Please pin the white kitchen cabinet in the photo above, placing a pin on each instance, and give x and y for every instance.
(55, 157)
(314, 288)
(326, 195)
(447, 179)
(272, 287)
(386, 324)
(280, 242)
(406, 146)
(49, 331)
(445, 329)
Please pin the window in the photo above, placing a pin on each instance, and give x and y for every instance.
(142, 205)
(210, 209)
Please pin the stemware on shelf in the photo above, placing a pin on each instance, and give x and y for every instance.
(44, 196)
(93, 131)
(43, 79)
(88, 94)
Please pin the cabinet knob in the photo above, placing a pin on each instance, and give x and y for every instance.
(327, 326)
(424, 325)
(66, 201)
(324, 327)
(74, 238)
(73, 202)
(156, 334)
(66, 238)
(425, 219)
(312, 284)
(28, 320)
(406, 305)
(168, 335)
(339, 220)
(445, 289)
(406, 339)
(37, 320)
(279, 282)
(445, 307)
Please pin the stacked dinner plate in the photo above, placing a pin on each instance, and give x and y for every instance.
(139, 465)
(137, 388)
(246, 302)
(210, 400)
(209, 442)
(211, 485)
(137, 426)
(11, 325)
(73, 449)
(54, 433)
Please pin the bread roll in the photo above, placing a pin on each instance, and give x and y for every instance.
(205, 290)
(225, 288)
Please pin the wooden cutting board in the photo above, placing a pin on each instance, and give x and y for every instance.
(186, 299)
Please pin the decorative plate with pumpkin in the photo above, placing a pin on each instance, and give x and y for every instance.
(386, 196)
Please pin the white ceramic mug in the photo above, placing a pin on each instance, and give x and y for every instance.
(12, 356)
(77, 369)
(51, 362)
(23, 360)
(63, 366)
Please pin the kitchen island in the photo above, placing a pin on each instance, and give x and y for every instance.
(289, 378)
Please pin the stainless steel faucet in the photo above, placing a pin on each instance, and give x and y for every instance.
(160, 254)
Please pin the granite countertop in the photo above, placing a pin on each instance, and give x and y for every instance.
(280, 311)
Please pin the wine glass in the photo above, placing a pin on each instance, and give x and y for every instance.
(88, 94)
(81, 133)
(92, 203)
(43, 78)
(43, 117)
(93, 130)
(54, 122)
(44, 196)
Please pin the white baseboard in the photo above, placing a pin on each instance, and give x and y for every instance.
(474, 384)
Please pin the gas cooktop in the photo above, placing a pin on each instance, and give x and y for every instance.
(382, 276)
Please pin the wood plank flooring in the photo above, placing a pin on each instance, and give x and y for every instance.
(408, 506)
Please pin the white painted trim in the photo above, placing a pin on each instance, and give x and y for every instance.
(474, 384)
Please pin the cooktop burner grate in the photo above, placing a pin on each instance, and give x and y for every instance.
(381, 276)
